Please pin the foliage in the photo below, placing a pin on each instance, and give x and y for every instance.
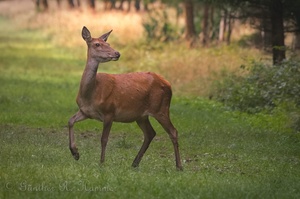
(263, 88)
(158, 26)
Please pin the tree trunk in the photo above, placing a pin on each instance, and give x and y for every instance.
(190, 31)
(222, 26)
(277, 31)
(212, 23)
(92, 4)
(78, 3)
(205, 24)
(71, 3)
(121, 5)
(229, 27)
(146, 5)
(58, 3)
(113, 4)
(37, 3)
(137, 5)
(44, 2)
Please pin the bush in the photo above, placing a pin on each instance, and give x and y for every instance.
(158, 26)
(263, 88)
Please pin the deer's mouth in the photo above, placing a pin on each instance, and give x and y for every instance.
(114, 58)
(107, 59)
(110, 57)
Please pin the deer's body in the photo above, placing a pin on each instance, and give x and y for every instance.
(113, 95)
(121, 98)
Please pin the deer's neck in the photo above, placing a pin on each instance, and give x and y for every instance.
(88, 79)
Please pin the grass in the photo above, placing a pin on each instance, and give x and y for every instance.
(225, 154)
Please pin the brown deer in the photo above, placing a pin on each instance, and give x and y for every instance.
(121, 98)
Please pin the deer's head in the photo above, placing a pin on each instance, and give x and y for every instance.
(98, 48)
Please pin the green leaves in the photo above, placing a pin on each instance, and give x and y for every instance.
(263, 88)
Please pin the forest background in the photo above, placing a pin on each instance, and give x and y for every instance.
(234, 70)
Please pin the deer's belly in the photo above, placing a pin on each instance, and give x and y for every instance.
(128, 116)
(91, 113)
(125, 116)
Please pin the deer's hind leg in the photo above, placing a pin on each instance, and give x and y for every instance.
(166, 123)
(149, 134)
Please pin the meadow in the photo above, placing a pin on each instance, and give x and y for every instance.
(225, 154)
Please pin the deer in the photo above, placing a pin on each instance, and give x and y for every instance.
(126, 98)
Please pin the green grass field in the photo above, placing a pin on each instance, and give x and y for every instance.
(225, 154)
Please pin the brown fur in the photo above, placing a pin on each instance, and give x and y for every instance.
(121, 98)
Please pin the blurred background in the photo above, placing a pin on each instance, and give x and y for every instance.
(204, 23)
(242, 53)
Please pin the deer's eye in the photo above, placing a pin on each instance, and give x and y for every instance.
(97, 44)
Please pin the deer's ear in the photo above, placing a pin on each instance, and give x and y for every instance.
(105, 36)
(86, 35)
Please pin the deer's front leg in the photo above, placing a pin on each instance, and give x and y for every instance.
(79, 116)
(107, 123)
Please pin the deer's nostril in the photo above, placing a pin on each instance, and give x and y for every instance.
(117, 54)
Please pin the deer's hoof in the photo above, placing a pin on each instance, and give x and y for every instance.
(76, 156)
(179, 168)
(75, 153)
(135, 165)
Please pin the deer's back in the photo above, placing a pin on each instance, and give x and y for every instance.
(132, 95)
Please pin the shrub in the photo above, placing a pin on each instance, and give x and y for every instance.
(263, 88)
(159, 27)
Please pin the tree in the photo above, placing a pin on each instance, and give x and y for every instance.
(208, 24)
(227, 15)
(190, 31)
(277, 31)
(205, 24)
(92, 4)
(44, 4)
(137, 5)
(72, 4)
(276, 12)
